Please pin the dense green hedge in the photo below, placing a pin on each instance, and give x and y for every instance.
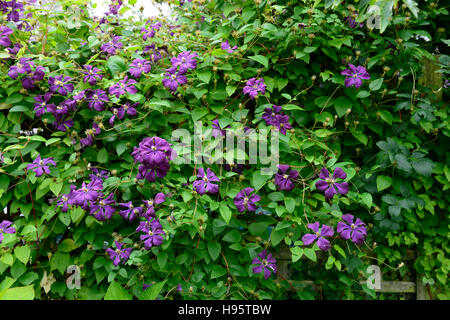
(348, 97)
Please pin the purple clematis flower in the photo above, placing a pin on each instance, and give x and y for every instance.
(103, 208)
(282, 123)
(139, 66)
(270, 114)
(153, 233)
(5, 32)
(22, 67)
(41, 166)
(173, 79)
(131, 212)
(112, 47)
(216, 129)
(40, 107)
(245, 201)
(205, 183)
(226, 46)
(96, 99)
(120, 112)
(254, 86)
(59, 84)
(88, 193)
(355, 75)
(153, 151)
(185, 60)
(283, 180)
(122, 87)
(5, 227)
(265, 263)
(90, 134)
(234, 167)
(150, 205)
(355, 230)
(62, 123)
(91, 75)
(329, 185)
(325, 231)
(119, 255)
(63, 201)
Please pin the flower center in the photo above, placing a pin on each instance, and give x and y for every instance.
(353, 226)
(58, 83)
(150, 233)
(285, 176)
(317, 234)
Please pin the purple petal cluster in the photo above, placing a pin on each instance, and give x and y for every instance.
(319, 235)
(5, 32)
(122, 87)
(150, 205)
(205, 183)
(90, 134)
(60, 84)
(41, 166)
(329, 185)
(154, 154)
(131, 212)
(174, 76)
(284, 179)
(5, 227)
(226, 46)
(139, 66)
(265, 263)
(153, 233)
(245, 200)
(91, 74)
(254, 86)
(274, 116)
(121, 254)
(103, 208)
(355, 75)
(41, 105)
(354, 230)
(112, 47)
(120, 112)
(96, 99)
(150, 32)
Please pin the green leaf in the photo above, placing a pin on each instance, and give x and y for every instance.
(117, 292)
(217, 271)
(204, 76)
(290, 204)
(116, 65)
(225, 212)
(23, 253)
(232, 236)
(197, 114)
(363, 94)
(67, 245)
(360, 136)
(340, 250)
(102, 156)
(423, 166)
(230, 89)
(366, 199)
(376, 84)
(18, 293)
(258, 180)
(152, 292)
(19, 109)
(60, 261)
(288, 107)
(276, 236)
(258, 228)
(261, 59)
(214, 249)
(383, 182)
(310, 253)
(56, 187)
